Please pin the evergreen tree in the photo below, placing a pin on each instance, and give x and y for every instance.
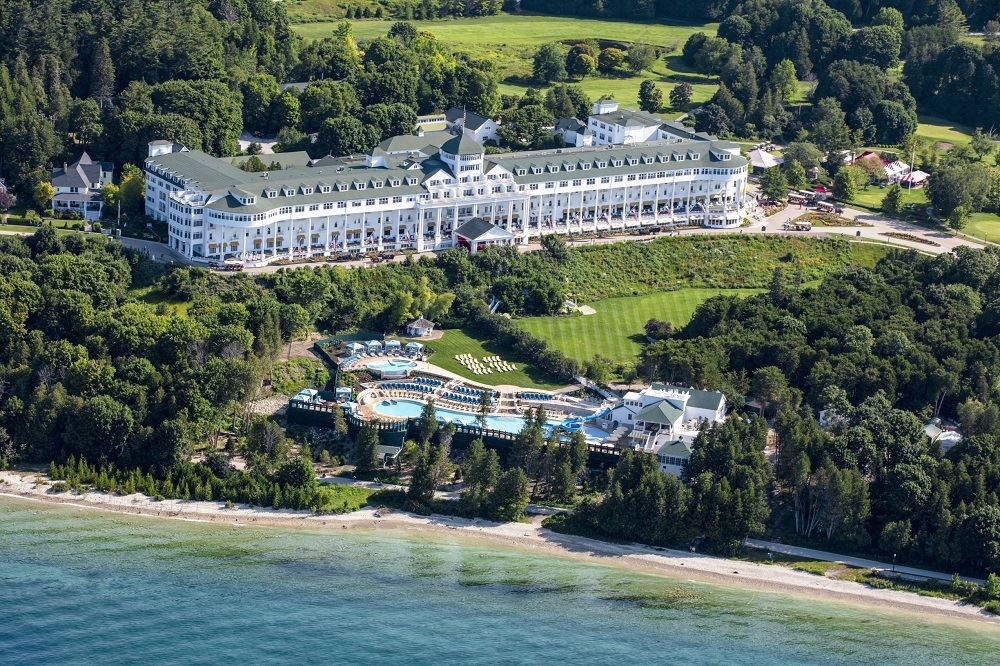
(102, 71)
(367, 448)
(510, 497)
(650, 97)
(892, 203)
(428, 423)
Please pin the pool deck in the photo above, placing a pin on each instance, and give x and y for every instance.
(561, 406)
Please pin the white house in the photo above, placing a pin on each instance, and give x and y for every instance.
(78, 187)
(612, 126)
(419, 328)
(479, 127)
(414, 192)
(665, 419)
(573, 132)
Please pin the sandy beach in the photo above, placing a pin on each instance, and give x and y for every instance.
(529, 536)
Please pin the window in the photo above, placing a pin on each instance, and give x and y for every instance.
(521, 172)
(570, 167)
(328, 206)
(383, 200)
(369, 202)
(313, 206)
(342, 187)
(577, 183)
(300, 209)
(585, 166)
(325, 189)
(341, 204)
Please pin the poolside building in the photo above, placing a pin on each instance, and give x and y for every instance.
(665, 419)
(419, 328)
(415, 192)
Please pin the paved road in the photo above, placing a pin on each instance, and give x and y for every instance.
(854, 561)
(934, 241)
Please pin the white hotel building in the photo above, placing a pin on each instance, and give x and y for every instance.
(415, 192)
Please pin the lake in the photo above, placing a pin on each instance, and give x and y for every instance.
(86, 587)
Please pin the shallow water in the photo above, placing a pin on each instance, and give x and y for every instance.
(83, 587)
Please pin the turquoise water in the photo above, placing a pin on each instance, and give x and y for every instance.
(80, 587)
(394, 367)
(409, 409)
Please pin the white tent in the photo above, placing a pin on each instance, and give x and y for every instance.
(761, 160)
(915, 177)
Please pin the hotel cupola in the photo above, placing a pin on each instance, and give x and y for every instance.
(463, 155)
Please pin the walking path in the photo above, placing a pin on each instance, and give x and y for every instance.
(938, 241)
(854, 561)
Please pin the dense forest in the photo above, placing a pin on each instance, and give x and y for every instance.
(876, 352)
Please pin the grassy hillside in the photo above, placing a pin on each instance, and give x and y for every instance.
(717, 262)
(617, 330)
(511, 41)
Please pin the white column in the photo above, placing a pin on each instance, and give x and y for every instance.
(381, 231)
(326, 239)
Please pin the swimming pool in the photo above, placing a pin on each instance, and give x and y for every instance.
(394, 367)
(409, 409)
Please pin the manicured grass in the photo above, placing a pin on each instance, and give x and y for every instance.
(510, 41)
(456, 341)
(617, 330)
(983, 225)
(940, 130)
(27, 229)
(871, 198)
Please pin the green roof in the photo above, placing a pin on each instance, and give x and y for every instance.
(661, 412)
(462, 145)
(676, 449)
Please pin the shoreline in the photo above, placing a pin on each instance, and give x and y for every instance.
(528, 537)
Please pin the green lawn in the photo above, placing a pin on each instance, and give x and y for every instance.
(617, 330)
(871, 198)
(456, 341)
(940, 130)
(58, 225)
(510, 41)
(983, 225)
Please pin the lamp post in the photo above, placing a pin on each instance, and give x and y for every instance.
(894, 563)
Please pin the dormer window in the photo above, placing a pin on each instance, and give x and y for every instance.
(325, 189)
(271, 194)
(360, 186)
(342, 187)
(570, 167)
(632, 161)
(411, 181)
(647, 160)
(307, 190)
(602, 164)
(617, 163)
(695, 156)
(377, 184)
(585, 166)
(394, 182)
(662, 158)
(521, 172)
(288, 192)
(536, 170)
(553, 168)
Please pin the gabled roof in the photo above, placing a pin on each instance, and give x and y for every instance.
(82, 173)
(629, 118)
(571, 125)
(462, 145)
(428, 143)
(676, 449)
(699, 399)
(420, 322)
(661, 412)
(467, 118)
(478, 229)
